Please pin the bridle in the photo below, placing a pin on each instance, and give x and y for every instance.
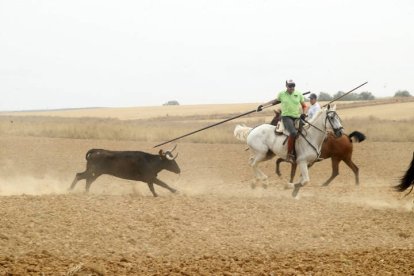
(330, 116)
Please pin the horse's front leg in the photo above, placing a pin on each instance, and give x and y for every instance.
(304, 178)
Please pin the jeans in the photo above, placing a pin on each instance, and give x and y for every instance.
(289, 124)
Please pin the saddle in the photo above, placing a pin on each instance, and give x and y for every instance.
(280, 128)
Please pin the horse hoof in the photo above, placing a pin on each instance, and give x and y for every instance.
(296, 190)
(289, 186)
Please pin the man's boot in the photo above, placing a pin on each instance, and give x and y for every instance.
(291, 149)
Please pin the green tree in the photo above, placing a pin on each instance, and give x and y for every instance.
(349, 97)
(366, 96)
(324, 96)
(402, 93)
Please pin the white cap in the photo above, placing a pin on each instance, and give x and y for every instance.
(290, 81)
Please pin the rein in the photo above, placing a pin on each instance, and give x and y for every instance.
(318, 153)
(326, 119)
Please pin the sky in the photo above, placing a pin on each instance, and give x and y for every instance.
(89, 53)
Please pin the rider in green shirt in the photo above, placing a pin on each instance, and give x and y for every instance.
(293, 107)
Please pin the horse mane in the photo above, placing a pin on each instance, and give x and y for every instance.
(407, 180)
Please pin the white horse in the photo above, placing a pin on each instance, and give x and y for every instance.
(264, 143)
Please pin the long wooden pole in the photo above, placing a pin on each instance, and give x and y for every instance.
(216, 124)
(345, 94)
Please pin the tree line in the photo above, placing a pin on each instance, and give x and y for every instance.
(363, 96)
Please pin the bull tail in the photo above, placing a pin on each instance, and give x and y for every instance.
(241, 132)
(407, 180)
(358, 136)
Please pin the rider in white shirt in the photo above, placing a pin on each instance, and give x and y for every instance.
(314, 105)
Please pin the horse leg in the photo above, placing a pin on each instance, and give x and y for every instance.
(304, 179)
(259, 175)
(354, 168)
(335, 171)
(291, 185)
(292, 172)
(278, 161)
(292, 168)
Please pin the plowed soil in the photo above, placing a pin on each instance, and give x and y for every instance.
(215, 225)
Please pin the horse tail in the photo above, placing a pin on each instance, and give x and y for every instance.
(241, 132)
(407, 180)
(358, 136)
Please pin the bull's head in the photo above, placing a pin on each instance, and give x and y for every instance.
(170, 163)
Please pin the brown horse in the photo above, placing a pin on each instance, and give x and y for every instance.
(407, 180)
(337, 148)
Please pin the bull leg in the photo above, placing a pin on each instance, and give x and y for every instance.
(79, 176)
(89, 181)
(164, 185)
(151, 187)
(335, 171)
(354, 168)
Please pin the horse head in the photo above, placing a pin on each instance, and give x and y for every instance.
(334, 121)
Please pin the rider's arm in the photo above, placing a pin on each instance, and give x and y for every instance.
(303, 104)
(273, 102)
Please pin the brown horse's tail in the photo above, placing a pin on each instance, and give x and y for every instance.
(407, 180)
(358, 136)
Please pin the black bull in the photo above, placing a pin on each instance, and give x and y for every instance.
(132, 165)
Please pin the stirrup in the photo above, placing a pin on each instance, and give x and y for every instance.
(291, 158)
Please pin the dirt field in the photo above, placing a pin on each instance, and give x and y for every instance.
(216, 225)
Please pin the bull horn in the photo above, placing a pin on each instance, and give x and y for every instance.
(173, 148)
(175, 156)
(169, 155)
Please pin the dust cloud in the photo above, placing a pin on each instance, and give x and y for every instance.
(28, 185)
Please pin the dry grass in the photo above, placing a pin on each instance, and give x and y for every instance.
(114, 129)
(140, 113)
(390, 122)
